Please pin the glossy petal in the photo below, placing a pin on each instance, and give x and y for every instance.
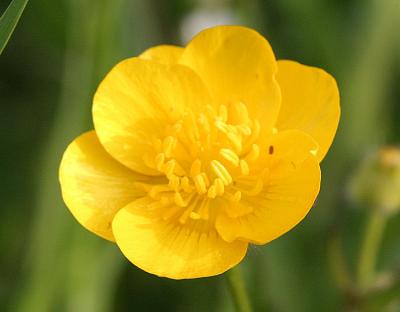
(94, 185)
(291, 187)
(171, 249)
(166, 54)
(135, 103)
(310, 102)
(237, 64)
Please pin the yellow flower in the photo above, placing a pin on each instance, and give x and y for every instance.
(199, 151)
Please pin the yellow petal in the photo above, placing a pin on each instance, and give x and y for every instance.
(171, 249)
(290, 189)
(135, 103)
(94, 185)
(310, 102)
(166, 54)
(238, 65)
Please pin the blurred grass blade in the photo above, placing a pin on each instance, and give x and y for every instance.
(9, 20)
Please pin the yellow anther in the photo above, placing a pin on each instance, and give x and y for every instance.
(244, 167)
(185, 183)
(222, 126)
(204, 175)
(203, 211)
(220, 170)
(238, 113)
(237, 196)
(212, 191)
(169, 167)
(156, 189)
(170, 212)
(200, 184)
(223, 112)
(174, 182)
(257, 188)
(194, 215)
(256, 129)
(251, 186)
(203, 121)
(219, 186)
(236, 141)
(254, 153)
(168, 145)
(195, 168)
(233, 197)
(160, 158)
(185, 215)
(179, 200)
(230, 156)
(244, 129)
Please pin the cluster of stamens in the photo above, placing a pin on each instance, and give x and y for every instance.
(205, 156)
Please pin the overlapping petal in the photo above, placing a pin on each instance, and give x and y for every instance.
(94, 185)
(171, 249)
(310, 102)
(237, 64)
(136, 101)
(166, 54)
(291, 187)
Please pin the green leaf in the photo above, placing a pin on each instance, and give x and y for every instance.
(9, 20)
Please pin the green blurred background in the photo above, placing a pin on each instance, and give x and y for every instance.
(48, 74)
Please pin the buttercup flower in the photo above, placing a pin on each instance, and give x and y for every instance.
(199, 151)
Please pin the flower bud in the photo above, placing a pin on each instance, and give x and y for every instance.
(376, 183)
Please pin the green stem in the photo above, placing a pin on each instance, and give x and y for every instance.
(237, 289)
(369, 251)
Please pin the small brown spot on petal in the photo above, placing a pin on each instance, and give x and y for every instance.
(271, 150)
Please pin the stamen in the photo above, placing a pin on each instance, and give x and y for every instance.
(168, 145)
(170, 212)
(250, 186)
(186, 214)
(238, 113)
(204, 209)
(221, 172)
(244, 129)
(169, 167)
(230, 156)
(195, 168)
(180, 201)
(255, 133)
(156, 189)
(194, 215)
(236, 141)
(219, 141)
(160, 158)
(254, 153)
(233, 197)
(186, 185)
(174, 182)
(200, 184)
(219, 186)
(223, 113)
(244, 167)
(212, 191)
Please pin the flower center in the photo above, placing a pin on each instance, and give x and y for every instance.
(206, 157)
